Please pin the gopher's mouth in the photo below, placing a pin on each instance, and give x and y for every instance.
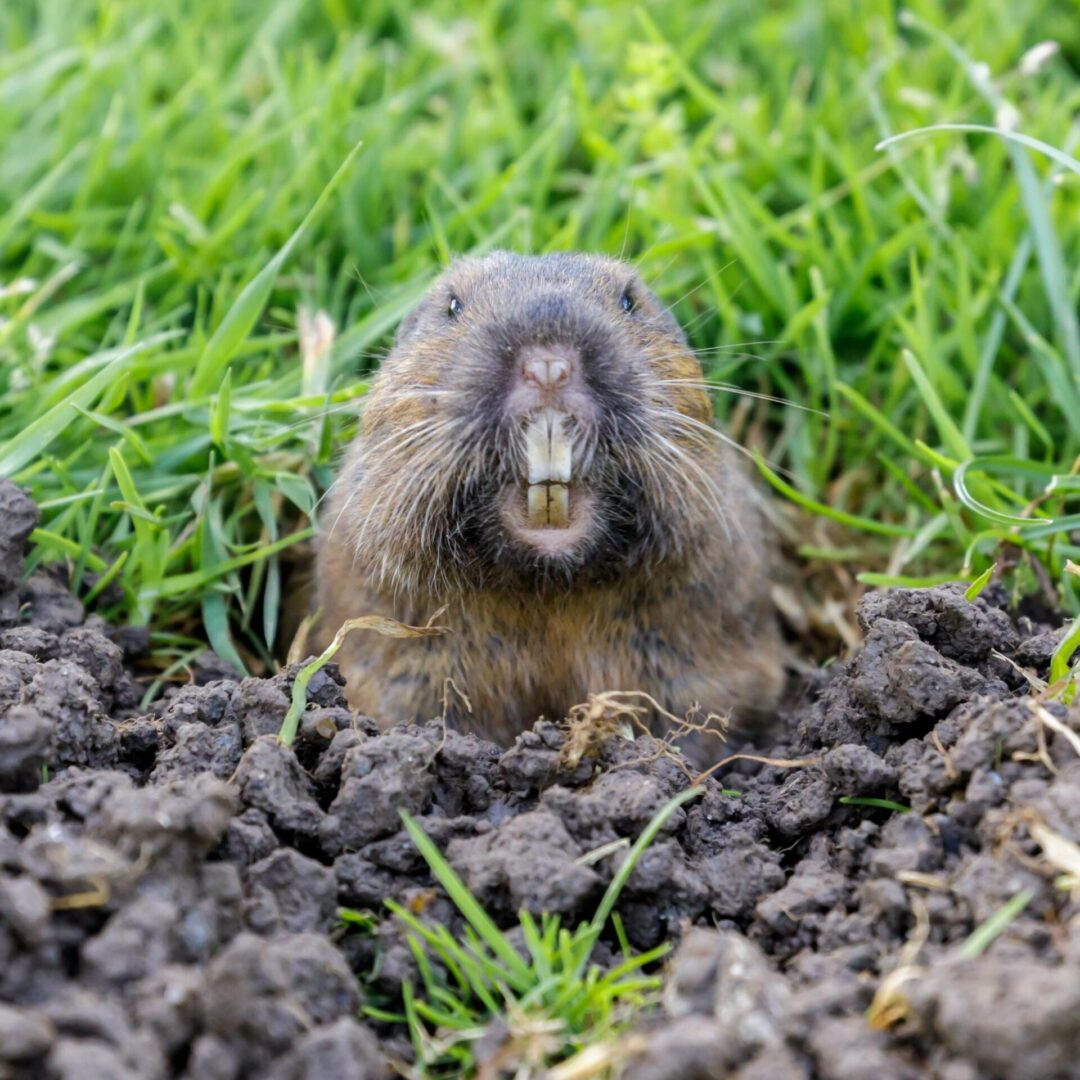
(549, 461)
(550, 512)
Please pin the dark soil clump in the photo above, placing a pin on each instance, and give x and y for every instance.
(170, 877)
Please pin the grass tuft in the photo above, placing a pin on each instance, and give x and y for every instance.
(550, 999)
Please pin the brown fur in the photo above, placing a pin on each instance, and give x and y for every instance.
(668, 595)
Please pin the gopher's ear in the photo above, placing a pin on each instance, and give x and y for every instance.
(408, 324)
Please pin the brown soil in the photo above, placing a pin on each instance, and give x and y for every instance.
(169, 895)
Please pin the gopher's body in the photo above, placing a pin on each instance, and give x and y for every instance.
(535, 457)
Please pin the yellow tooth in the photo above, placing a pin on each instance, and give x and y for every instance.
(558, 505)
(548, 448)
(538, 448)
(538, 505)
(560, 451)
(549, 506)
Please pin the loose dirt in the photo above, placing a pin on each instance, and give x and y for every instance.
(170, 877)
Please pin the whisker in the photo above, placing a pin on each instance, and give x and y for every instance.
(738, 288)
(740, 345)
(666, 267)
(417, 390)
(418, 478)
(324, 496)
(341, 512)
(736, 358)
(356, 404)
(629, 218)
(354, 272)
(731, 388)
(423, 429)
(426, 429)
(712, 277)
(692, 324)
(662, 450)
(677, 457)
(697, 425)
(321, 414)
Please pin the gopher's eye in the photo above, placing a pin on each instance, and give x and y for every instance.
(455, 307)
(628, 303)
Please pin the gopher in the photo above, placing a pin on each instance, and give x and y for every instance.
(537, 457)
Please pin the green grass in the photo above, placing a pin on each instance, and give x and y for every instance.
(877, 804)
(179, 181)
(552, 999)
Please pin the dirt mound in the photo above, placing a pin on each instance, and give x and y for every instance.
(171, 877)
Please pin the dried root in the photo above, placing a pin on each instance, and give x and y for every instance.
(625, 713)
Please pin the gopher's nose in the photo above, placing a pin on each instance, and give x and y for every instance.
(548, 367)
(549, 376)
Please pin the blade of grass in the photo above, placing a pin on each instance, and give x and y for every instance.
(905, 581)
(381, 625)
(980, 583)
(984, 935)
(245, 311)
(853, 520)
(877, 804)
(1063, 654)
(626, 868)
(39, 434)
(947, 429)
(1066, 161)
(465, 902)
